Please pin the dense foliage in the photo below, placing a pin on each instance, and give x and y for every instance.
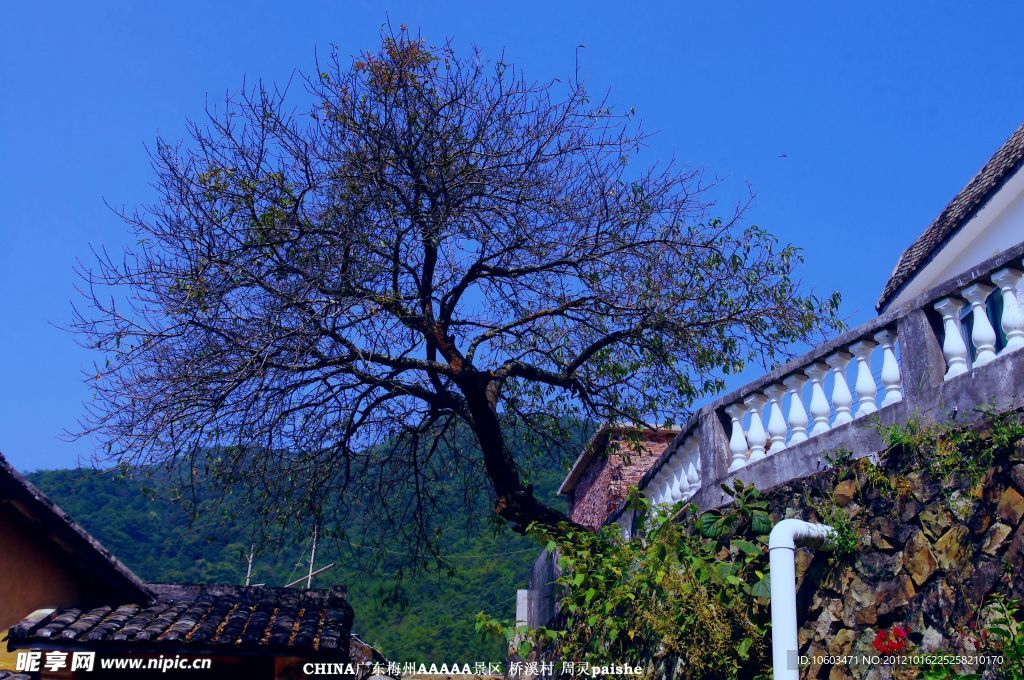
(690, 591)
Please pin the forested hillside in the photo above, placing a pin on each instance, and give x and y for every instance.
(431, 619)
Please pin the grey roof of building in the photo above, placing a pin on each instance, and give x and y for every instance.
(203, 619)
(67, 539)
(1006, 161)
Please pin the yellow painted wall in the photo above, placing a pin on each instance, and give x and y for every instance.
(32, 575)
(6, 658)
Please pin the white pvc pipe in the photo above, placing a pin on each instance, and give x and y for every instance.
(782, 542)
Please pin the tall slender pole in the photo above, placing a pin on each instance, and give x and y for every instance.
(248, 570)
(312, 559)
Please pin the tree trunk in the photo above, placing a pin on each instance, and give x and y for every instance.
(516, 503)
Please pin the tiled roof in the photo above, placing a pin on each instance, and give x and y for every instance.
(231, 620)
(960, 210)
(94, 563)
(11, 675)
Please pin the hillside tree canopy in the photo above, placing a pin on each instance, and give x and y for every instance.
(380, 296)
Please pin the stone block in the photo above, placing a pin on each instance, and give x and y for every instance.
(922, 485)
(866, 616)
(894, 594)
(842, 642)
(1011, 506)
(1017, 475)
(908, 509)
(879, 566)
(918, 559)
(995, 538)
(934, 519)
(981, 581)
(845, 492)
(1015, 551)
(951, 550)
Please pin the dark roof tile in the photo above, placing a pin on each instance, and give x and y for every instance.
(11, 675)
(238, 619)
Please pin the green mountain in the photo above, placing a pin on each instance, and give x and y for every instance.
(431, 619)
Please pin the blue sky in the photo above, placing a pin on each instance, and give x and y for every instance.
(854, 125)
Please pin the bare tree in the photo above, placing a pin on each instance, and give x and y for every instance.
(438, 247)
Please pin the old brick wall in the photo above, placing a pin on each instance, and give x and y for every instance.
(603, 486)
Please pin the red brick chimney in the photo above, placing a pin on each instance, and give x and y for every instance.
(611, 462)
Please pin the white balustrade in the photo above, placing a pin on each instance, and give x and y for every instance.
(776, 421)
(781, 425)
(756, 435)
(842, 400)
(865, 386)
(797, 418)
(737, 441)
(954, 349)
(892, 382)
(983, 335)
(819, 404)
(1012, 318)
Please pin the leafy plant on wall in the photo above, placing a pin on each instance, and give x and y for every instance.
(693, 592)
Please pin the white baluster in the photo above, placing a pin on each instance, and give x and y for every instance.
(842, 400)
(953, 347)
(661, 487)
(737, 442)
(892, 382)
(677, 484)
(692, 448)
(655, 491)
(776, 421)
(756, 436)
(819, 404)
(797, 414)
(1012, 320)
(624, 521)
(867, 391)
(651, 491)
(983, 336)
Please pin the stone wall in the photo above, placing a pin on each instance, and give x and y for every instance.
(929, 558)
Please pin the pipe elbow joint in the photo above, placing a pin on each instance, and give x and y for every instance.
(790, 533)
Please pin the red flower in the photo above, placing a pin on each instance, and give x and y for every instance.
(889, 641)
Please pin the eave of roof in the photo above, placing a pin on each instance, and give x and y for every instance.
(595, 444)
(1003, 164)
(202, 620)
(63, 532)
